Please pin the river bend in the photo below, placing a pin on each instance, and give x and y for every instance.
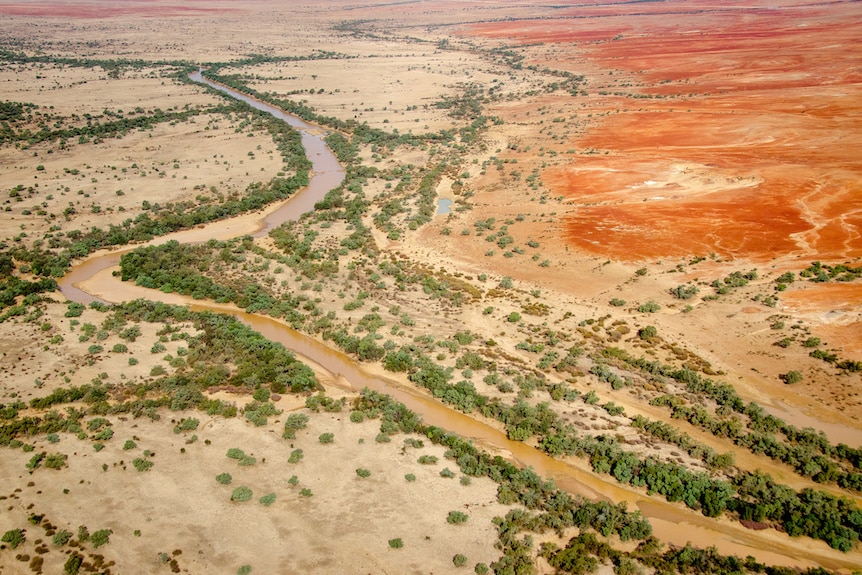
(91, 279)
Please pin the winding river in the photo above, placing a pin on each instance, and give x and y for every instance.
(92, 279)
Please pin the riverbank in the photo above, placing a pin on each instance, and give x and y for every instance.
(488, 291)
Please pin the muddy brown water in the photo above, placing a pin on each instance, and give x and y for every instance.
(89, 280)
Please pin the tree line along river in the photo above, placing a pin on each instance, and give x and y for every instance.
(91, 279)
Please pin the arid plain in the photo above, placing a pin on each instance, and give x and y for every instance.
(641, 181)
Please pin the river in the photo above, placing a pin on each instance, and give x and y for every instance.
(92, 279)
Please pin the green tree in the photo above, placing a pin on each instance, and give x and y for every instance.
(684, 291)
(73, 564)
(101, 537)
(14, 537)
(61, 537)
(647, 333)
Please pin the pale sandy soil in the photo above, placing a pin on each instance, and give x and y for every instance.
(597, 217)
(344, 526)
(171, 162)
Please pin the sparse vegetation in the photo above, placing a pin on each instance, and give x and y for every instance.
(523, 355)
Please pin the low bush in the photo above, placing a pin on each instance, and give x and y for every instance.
(456, 517)
(241, 493)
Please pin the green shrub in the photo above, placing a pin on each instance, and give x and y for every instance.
(36, 461)
(187, 424)
(61, 537)
(684, 291)
(613, 409)
(447, 473)
(363, 473)
(456, 517)
(267, 499)
(616, 302)
(791, 377)
(101, 537)
(14, 537)
(647, 333)
(326, 438)
(129, 444)
(649, 307)
(427, 459)
(481, 569)
(305, 492)
(459, 560)
(75, 309)
(396, 543)
(56, 461)
(294, 422)
(235, 453)
(73, 564)
(410, 477)
(224, 478)
(383, 438)
(295, 456)
(241, 493)
(142, 464)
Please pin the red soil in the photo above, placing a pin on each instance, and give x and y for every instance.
(834, 305)
(765, 111)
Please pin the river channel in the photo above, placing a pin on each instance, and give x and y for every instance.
(92, 279)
